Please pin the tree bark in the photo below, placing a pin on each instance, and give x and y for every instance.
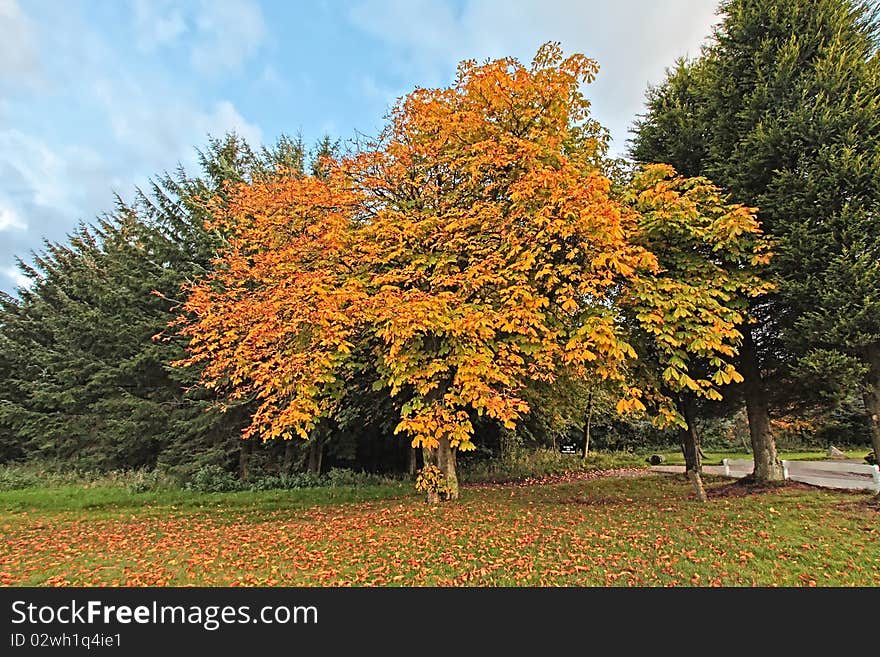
(429, 457)
(696, 480)
(244, 459)
(690, 445)
(767, 465)
(872, 396)
(287, 462)
(446, 463)
(413, 461)
(316, 455)
(443, 456)
(587, 424)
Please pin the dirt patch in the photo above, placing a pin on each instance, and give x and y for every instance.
(871, 503)
(746, 487)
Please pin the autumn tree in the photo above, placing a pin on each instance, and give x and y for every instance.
(782, 111)
(687, 315)
(474, 249)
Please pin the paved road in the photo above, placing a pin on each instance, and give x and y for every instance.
(679, 469)
(849, 474)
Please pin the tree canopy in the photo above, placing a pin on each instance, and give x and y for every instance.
(782, 111)
(477, 247)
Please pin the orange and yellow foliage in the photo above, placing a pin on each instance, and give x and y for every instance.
(477, 246)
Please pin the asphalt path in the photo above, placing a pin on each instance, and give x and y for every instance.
(848, 474)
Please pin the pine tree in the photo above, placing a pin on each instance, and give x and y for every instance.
(783, 111)
(84, 380)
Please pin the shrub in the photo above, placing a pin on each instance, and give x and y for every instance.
(213, 479)
(143, 481)
(346, 477)
(286, 482)
(523, 463)
(432, 482)
(209, 478)
(15, 478)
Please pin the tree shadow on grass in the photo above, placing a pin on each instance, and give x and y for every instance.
(871, 503)
(747, 486)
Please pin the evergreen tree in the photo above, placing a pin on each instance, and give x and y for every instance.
(783, 111)
(84, 379)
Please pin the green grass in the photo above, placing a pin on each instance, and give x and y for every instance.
(609, 531)
(715, 457)
(107, 501)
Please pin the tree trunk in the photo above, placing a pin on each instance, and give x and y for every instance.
(767, 465)
(429, 457)
(587, 424)
(443, 456)
(413, 461)
(316, 455)
(244, 459)
(696, 480)
(741, 428)
(872, 397)
(446, 463)
(287, 462)
(690, 445)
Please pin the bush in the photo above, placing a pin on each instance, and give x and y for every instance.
(213, 479)
(521, 463)
(433, 482)
(286, 482)
(16, 478)
(345, 477)
(144, 481)
(51, 474)
(209, 478)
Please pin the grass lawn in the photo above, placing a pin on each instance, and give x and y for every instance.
(610, 531)
(715, 457)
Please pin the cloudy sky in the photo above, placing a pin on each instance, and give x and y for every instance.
(97, 96)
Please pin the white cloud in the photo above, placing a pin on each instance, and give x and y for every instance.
(39, 169)
(18, 51)
(374, 91)
(9, 219)
(155, 131)
(633, 40)
(44, 191)
(220, 34)
(126, 123)
(228, 32)
(157, 23)
(271, 79)
(18, 279)
(429, 31)
(224, 117)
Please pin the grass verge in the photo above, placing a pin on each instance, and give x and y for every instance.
(644, 531)
(715, 457)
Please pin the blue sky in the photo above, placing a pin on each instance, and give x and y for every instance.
(96, 96)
